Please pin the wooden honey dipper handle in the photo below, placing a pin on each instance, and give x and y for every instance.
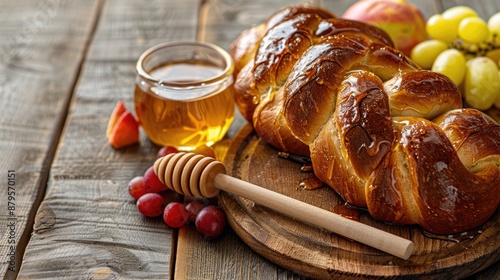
(200, 176)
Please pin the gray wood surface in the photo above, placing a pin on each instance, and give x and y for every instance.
(63, 67)
(41, 50)
(87, 225)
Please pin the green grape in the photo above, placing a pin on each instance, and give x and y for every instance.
(482, 83)
(494, 23)
(494, 27)
(456, 14)
(450, 63)
(426, 52)
(440, 28)
(473, 30)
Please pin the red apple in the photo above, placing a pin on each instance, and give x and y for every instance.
(123, 128)
(403, 21)
(118, 111)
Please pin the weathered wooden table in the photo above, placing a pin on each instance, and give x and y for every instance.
(63, 67)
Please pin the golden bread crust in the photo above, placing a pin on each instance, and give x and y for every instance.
(383, 133)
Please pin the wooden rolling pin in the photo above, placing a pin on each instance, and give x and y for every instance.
(199, 176)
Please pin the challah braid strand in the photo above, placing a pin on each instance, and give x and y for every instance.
(248, 46)
(405, 169)
(314, 84)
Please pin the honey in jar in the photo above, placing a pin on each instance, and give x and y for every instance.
(184, 94)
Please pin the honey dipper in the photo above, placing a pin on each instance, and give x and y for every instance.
(199, 176)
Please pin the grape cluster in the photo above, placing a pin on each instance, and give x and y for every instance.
(465, 48)
(154, 199)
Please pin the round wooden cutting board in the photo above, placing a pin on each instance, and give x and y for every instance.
(320, 254)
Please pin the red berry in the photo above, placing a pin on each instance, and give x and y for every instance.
(193, 208)
(175, 215)
(210, 222)
(153, 184)
(150, 204)
(137, 187)
(166, 150)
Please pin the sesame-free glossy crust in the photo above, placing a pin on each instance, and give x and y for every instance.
(319, 254)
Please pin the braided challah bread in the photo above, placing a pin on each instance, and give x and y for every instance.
(383, 133)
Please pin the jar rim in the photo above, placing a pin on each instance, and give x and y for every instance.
(226, 72)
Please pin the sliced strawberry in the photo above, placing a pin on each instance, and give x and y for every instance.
(115, 115)
(125, 132)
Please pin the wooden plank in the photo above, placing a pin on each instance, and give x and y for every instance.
(134, 26)
(42, 46)
(88, 226)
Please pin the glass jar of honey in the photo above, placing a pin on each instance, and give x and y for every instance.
(184, 95)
